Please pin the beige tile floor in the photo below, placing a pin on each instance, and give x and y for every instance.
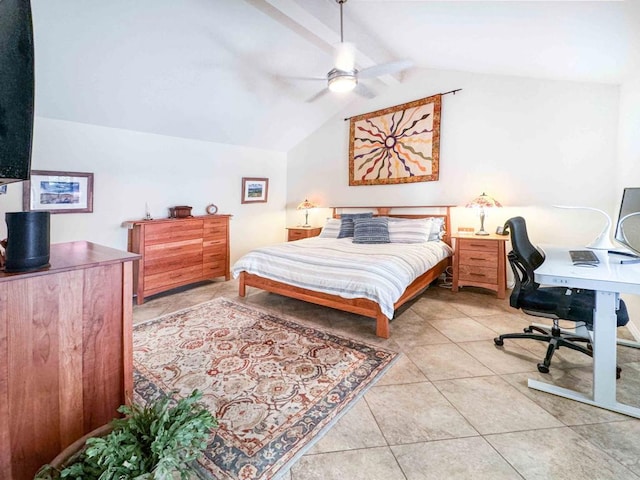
(454, 406)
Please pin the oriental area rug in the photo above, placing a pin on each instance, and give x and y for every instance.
(274, 385)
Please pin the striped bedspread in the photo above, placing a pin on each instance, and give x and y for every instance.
(379, 272)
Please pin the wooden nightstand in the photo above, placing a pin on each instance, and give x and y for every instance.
(298, 233)
(479, 261)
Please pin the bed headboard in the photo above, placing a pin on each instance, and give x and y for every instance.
(411, 211)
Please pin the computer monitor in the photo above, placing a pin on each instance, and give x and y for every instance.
(628, 227)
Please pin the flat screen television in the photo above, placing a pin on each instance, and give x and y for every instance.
(628, 225)
(16, 90)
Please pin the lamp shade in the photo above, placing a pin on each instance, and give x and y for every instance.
(485, 201)
(306, 205)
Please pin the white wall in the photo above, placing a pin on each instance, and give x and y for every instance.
(527, 142)
(132, 168)
(628, 174)
(629, 165)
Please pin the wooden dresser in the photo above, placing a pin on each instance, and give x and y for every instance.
(480, 261)
(178, 251)
(66, 353)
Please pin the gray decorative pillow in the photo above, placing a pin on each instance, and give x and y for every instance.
(331, 229)
(371, 230)
(346, 223)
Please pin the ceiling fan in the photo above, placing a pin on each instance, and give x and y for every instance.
(343, 77)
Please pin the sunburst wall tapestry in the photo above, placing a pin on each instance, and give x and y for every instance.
(398, 144)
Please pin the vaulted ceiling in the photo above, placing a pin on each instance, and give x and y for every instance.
(225, 70)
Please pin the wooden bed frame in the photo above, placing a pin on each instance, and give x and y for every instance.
(361, 306)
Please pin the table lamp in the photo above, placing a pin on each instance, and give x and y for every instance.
(482, 202)
(306, 205)
(633, 244)
(602, 241)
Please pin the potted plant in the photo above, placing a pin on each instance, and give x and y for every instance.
(151, 442)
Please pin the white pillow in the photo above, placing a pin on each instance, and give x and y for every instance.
(331, 228)
(437, 229)
(410, 230)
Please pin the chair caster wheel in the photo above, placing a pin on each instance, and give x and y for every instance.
(542, 368)
(528, 330)
(498, 341)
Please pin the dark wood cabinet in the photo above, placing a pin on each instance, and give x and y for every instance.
(66, 353)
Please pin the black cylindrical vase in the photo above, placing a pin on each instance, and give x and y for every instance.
(27, 241)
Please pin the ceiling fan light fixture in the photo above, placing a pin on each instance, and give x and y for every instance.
(340, 81)
(345, 53)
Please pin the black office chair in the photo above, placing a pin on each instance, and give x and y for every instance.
(555, 303)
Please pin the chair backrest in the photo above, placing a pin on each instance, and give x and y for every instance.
(524, 259)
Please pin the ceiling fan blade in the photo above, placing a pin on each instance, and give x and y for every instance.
(364, 91)
(321, 93)
(324, 79)
(385, 69)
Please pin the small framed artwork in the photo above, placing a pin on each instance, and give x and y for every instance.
(255, 190)
(58, 192)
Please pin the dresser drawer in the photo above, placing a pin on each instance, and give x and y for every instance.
(166, 264)
(215, 228)
(297, 235)
(300, 233)
(173, 278)
(478, 245)
(172, 249)
(170, 232)
(214, 243)
(479, 258)
(214, 269)
(478, 274)
(216, 255)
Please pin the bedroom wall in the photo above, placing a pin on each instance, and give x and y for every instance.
(628, 172)
(529, 143)
(132, 168)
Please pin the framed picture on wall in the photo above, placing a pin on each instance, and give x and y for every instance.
(58, 192)
(255, 190)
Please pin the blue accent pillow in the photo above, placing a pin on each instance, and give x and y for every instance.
(371, 230)
(346, 223)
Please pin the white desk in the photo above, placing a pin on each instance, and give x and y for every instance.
(608, 279)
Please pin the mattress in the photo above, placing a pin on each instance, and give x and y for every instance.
(378, 272)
